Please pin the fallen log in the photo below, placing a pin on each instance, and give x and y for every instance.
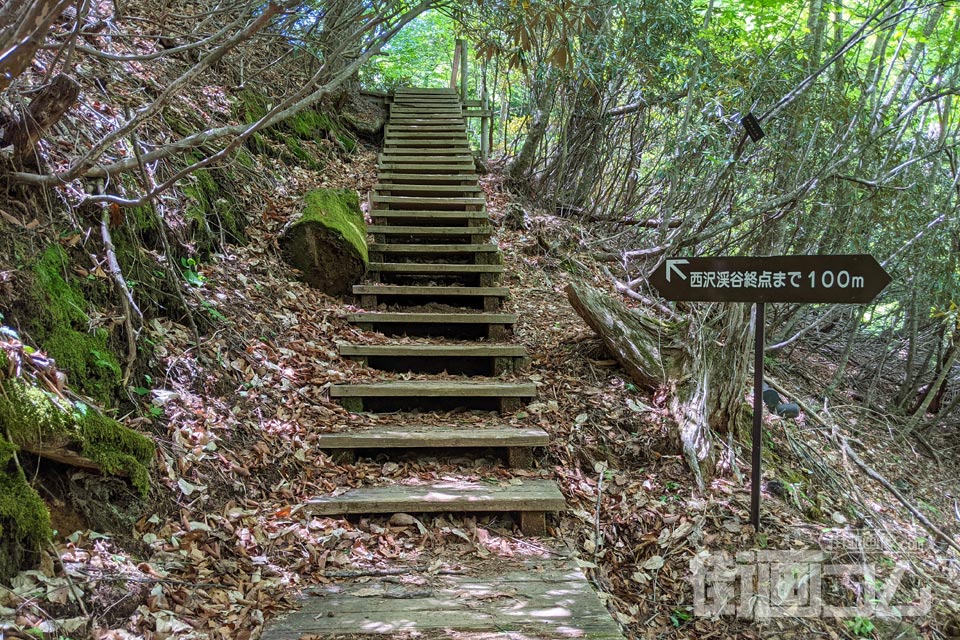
(328, 242)
(636, 341)
(700, 359)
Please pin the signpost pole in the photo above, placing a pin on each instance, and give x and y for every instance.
(838, 279)
(758, 321)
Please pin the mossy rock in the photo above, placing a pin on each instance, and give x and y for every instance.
(328, 243)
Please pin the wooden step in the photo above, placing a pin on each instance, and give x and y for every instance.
(486, 275)
(426, 99)
(494, 359)
(417, 148)
(495, 325)
(418, 129)
(424, 143)
(488, 298)
(426, 136)
(423, 216)
(541, 597)
(429, 91)
(427, 121)
(438, 291)
(449, 203)
(389, 178)
(507, 395)
(448, 496)
(460, 153)
(517, 440)
(433, 267)
(476, 235)
(429, 250)
(427, 167)
(445, 109)
(475, 253)
(427, 157)
(405, 188)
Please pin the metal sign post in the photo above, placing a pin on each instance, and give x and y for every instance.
(841, 279)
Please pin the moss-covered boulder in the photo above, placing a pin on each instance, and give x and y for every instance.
(328, 242)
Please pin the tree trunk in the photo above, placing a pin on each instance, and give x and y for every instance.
(517, 170)
(44, 111)
(704, 361)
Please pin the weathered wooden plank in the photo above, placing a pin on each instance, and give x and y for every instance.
(440, 437)
(417, 267)
(425, 109)
(427, 167)
(427, 157)
(390, 178)
(428, 214)
(423, 201)
(429, 231)
(428, 138)
(540, 599)
(428, 290)
(443, 496)
(406, 187)
(463, 350)
(420, 150)
(559, 623)
(433, 248)
(374, 317)
(434, 389)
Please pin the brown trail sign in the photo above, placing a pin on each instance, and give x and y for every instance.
(841, 279)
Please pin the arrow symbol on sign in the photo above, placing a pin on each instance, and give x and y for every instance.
(673, 265)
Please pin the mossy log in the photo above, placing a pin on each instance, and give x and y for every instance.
(328, 242)
(41, 423)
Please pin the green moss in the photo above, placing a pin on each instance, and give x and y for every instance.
(23, 515)
(244, 159)
(209, 202)
(29, 414)
(339, 211)
(63, 330)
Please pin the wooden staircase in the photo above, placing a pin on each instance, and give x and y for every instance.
(432, 248)
(435, 274)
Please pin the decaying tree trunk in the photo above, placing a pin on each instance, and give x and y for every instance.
(45, 110)
(704, 360)
(328, 243)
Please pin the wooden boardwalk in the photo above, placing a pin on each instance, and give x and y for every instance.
(435, 274)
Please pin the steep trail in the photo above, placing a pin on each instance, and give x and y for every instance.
(435, 276)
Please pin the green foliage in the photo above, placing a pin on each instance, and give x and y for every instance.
(420, 55)
(23, 515)
(860, 626)
(680, 617)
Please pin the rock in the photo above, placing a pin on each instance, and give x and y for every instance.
(328, 242)
(402, 520)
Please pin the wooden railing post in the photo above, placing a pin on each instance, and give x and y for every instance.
(485, 126)
(463, 69)
(456, 64)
